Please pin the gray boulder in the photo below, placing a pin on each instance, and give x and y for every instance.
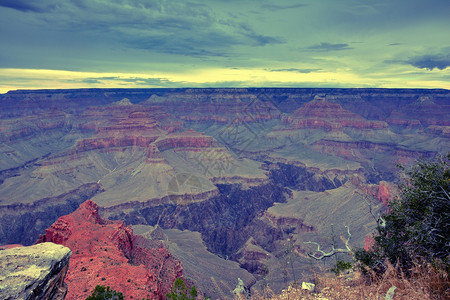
(34, 272)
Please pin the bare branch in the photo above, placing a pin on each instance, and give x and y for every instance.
(380, 220)
(445, 192)
(349, 237)
(333, 250)
(370, 208)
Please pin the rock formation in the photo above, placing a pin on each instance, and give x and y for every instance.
(253, 258)
(34, 272)
(386, 192)
(323, 114)
(107, 253)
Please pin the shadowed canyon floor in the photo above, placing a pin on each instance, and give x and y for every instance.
(232, 181)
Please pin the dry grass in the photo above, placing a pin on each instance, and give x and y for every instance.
(423, 283)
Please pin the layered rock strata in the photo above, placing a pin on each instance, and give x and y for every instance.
(323, 114)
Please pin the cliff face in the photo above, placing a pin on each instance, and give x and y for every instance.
(424, 112)
(23, 223)
(107, 253)
(118, 125)
(186, 139)
(34, 272)
(360, 149)
(322, 114)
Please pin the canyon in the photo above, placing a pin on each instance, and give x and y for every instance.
(230, 182)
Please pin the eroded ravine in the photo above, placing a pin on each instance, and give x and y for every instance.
(228, 220)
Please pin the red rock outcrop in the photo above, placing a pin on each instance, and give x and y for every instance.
(109, 142)
(322, 114)
(369, 243)
(154, 155)
(386, 192)
(383, 192)
(107, 253)
(124, 126)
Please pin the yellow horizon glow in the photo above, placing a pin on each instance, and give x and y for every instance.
(14, 79)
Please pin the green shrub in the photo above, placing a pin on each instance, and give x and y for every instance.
(341, 266)
(105, 293)
(180, 291)
(417, 223)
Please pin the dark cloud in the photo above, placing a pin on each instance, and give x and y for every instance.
(170, 27)
(263, 40)
(21, 5)
(431, 61)
(439, 60)
(257, 39)
(190, 38)
(186, 46)
(329, 47)
(33, 6)
(90, 80)
(304, 71)
(281, 7)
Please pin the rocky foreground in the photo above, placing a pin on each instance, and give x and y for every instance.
(34, 272)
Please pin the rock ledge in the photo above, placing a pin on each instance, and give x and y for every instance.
(35, 272)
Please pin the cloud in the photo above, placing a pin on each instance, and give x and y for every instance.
(89, 80)
(431, 61)
(197, 39)
(142, 81)
(150, 81)
(182, 46)
(222, 84)
(329, 47)
(263, 40)
(256, 39)
(169, 27)
(438, 61)
(22, 5)
(303, 71)
(281, 7)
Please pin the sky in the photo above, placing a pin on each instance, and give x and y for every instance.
(218, 43)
